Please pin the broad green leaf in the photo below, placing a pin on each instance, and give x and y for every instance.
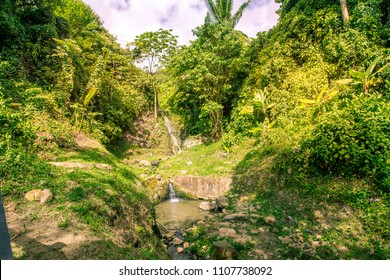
(358, 75)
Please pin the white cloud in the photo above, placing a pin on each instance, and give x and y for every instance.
(126, 19)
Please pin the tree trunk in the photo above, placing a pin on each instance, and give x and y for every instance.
(344, 11)
(155, 100)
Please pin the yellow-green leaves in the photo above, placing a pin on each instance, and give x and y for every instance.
(91, 93)
(323, 97)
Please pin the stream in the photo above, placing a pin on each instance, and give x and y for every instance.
(179, 214)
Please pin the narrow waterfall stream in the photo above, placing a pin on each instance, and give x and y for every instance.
(171, 193)
(178, 214)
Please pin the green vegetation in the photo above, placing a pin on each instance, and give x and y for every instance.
(299, 117)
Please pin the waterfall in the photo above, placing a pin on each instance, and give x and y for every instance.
(174, 140)
(171, 193)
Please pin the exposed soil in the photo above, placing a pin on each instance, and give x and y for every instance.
(35, 233)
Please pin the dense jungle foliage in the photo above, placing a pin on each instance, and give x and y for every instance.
(313, 92)
(62, 72)
(313, 84)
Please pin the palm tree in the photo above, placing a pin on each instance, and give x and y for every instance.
(344, 10)
(221, 11)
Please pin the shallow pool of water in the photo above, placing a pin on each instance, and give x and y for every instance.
(180, 214)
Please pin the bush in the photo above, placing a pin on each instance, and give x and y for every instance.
(354, 140)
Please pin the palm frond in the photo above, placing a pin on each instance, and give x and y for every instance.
(237, 16)
(213, 10)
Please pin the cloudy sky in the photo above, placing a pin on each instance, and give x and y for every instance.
(126, 19)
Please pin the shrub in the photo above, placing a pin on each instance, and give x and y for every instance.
(353, 140)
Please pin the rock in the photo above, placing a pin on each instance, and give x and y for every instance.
(156, 163)
(285, 240)
(201, 223)
(186, 245)
(224, 251)
(270, 220)
(227, 232)
(103, 166)
(189, 162)
(207, 205)
(184, 172)
(33, 195)
(238, 216)
(46, 196)
(145, 163)
(188, 143)
(179, 250)
(222, 202)
(177, 241)
(170, 234)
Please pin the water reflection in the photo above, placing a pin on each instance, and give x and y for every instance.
(180, 214)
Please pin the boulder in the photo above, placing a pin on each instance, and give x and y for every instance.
(46, 196)
(222, 202)
(207, 205)
(33, 195)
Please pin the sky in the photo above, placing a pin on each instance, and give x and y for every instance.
(126, 19)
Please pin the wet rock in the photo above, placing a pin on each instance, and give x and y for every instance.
(207, 205)
(33, 195)
(224, 251)
(46, 196)
(270, 220)
(222, 202)
(177, 241)
(238, 216)
(170, 234)
(145, 163)
(179, 250)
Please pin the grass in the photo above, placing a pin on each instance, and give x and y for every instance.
(332, 217)
(202, 160)
(111, 203)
